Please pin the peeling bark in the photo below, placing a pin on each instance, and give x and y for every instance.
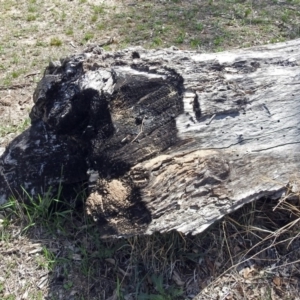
(165, 139)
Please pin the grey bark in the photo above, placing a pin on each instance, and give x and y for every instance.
(165, 139)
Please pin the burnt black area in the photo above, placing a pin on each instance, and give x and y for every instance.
(246, 67)
(197, 108)
(135, 55)
(67, 110)
(138, 213)
(138, 101)
(75, 129)
(46, 163)
(217, 67)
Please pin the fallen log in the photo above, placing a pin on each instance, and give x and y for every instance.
(165, 139)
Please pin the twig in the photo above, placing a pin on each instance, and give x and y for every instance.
(72, 45)
(15, 86)
(111, 40)
(211, 119)
(32, 74)
(140, 131)
(50, 8)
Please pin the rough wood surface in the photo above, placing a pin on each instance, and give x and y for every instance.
(166, 139)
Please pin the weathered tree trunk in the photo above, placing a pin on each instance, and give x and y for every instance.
(166, 139)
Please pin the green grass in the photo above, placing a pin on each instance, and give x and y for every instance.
(195, 43)
(11, 128)
(88, 36)
(94, 18)
(55, 41)
(31, 17)
(139, 266)
(47, 260)
(148, 23)
(101, 26)
(98, 9)
(41, 210)
(180, 38)
(41, 44)
(157, 42)
(69, 31)
(162, 293)
(32, 8)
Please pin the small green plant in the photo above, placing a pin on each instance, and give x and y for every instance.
(55, 41)
(190, 14)
(88, 36)
(10, 128)
(4, 222)
(15, 74)
(15, 59)
(285, 16)
(119, 293)
(43, 210)
(31, 17)
(247, 12)
(258, 21)
(101, 26)
(277, 39)
(40, 43)
(171, 15)
(164, 293)
(25, 124)
(180, 38)
(156, 42)
(218, 41)
(32, 8)
(68, 285)
(94, 18)
(63, 16)
(98, 9)
(50, 258)
(199, 26)
(69, 31)
(9, 297)
(47, 260)
(195, 43)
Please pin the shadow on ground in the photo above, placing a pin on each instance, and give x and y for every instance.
(252, 251)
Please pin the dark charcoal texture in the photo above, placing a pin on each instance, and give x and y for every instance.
(105, 120)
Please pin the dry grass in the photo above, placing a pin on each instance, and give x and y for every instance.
(251, 254)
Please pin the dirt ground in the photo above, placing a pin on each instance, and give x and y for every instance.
(47, 254)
